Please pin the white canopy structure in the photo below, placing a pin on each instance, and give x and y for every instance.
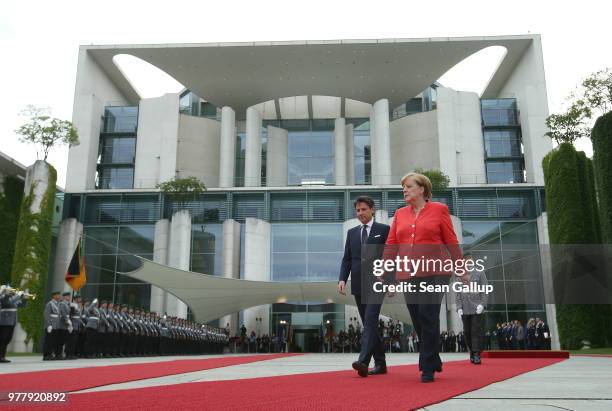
(211, 297)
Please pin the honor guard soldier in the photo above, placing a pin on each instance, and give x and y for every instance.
(52, 325)
(103, 326)
(126, 331)
(92, 313)
(77, 326)
(10, 300)
(65, 326)
(113, 311)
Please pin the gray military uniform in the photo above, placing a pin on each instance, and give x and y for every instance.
(8, 309)
(64, 315)
(468, 301)
(52, 315)
(93, 317)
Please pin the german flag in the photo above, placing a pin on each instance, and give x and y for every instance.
(76, 276)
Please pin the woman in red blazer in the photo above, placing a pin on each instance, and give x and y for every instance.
(424, 230)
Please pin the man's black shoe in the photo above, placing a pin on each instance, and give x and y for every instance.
(476, 358)
(379, 369)
(361, 368)
(472, 357)
(427, 376)
(4, 360)
(47, 358)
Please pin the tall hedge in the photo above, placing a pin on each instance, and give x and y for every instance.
(31, 258)
(601, 137)
(573, 219)
(10, 205)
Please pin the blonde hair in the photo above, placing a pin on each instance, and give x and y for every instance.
(422, 181)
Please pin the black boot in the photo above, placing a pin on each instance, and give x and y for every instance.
(427, 376)
(476, 358)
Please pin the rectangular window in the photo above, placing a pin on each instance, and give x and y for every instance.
(311, 157)
(117, 150)
(120, 119)
(502, 143)
(505, 172)
(115, 177)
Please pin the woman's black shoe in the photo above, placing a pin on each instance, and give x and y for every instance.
(427, 376)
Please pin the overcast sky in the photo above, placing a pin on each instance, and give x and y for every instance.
(40, 40)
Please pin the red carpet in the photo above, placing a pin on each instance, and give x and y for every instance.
(76, 379)
(340, 390)
(524, 354)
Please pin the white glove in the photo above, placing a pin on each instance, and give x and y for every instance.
(479, 309)
(70, 329)
(20, 293)
(460, 312)
(49, 329)
(94, 302)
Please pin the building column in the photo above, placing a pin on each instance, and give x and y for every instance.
(70, 231)
(252, 160)
(179, 255)
(380, 138)
(160, 256)
(340, 164)
(277, 171)
(38, 179)
(227, 154)
(547, 281)
(231, 266)
(257, 267)
(350, 154)
(82, 158)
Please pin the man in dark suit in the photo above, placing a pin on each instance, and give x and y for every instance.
(374, 235)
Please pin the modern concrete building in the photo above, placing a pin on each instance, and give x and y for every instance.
(285, 135)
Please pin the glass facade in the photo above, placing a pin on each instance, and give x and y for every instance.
(310, 151)
(510, 250)
(311, 157)
(192, 105)
(307, 238)
(504, 161)
(207, 248)
(425, 101)
(306, 252)
(117, 149)
(362, 151)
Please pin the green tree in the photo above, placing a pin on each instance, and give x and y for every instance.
(569, 126)
(182, 190)
(596, 93)
(439, 180)
(46, 131)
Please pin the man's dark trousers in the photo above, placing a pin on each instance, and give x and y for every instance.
(473, 330)
(371, 343)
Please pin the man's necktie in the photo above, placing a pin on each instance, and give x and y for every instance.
(364, 234)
